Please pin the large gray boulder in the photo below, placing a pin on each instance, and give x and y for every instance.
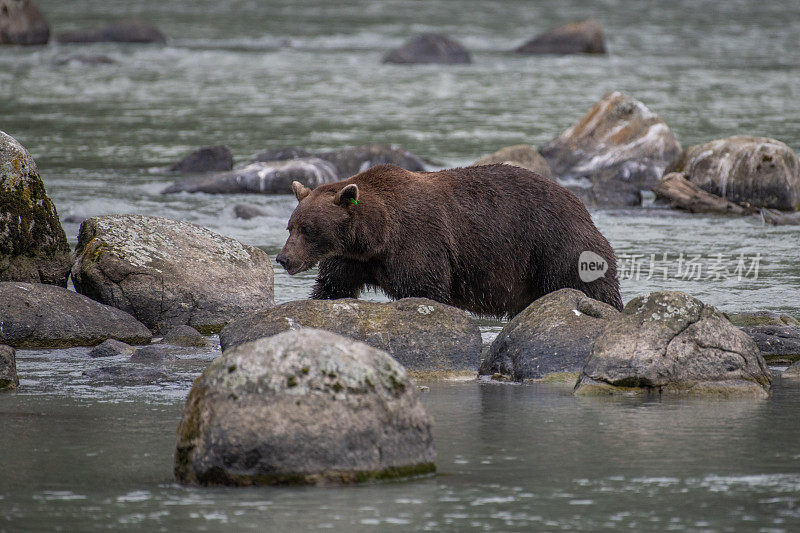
(429, 48)
(616, 150)
(778, 344)
(302, 407)
(273, 177)
(553, 335)
(584, 37)
(21, 22)
(33, 245)
(35, 315)
(169, 272)
(669, 342)
(8, 368)
(206, 159)
(123, 31)
(423, 335)
(755, 170)
(521, 155)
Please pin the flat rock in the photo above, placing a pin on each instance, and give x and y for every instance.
(553, 335)
(248, 211)
(423, 335)
(583, 37)
(168, 272)
(669, 342)
(153, 354)
(184, 336)
(206, 159)
(8, 368)
(84, 59)
(123, 31)
(302, 407)
(35, 315)
(33, 245)
(429, 48)
(21, 22)
(761, 318)
(758, 171)
(521, 155)
(127, 375)
(777, 343)
(616, 150)
(110, 348)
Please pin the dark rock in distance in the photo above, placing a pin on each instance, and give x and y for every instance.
(429, 48)
(248, 211)
(8, 368)
(85, 59)
(207, 159)
(21, 22)
(584, 37)
(279, 154)
(153, 354)
(110, 348)
(123, 31)
(184, 336)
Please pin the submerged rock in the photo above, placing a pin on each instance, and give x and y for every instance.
(35, 315)
(274, 177)
(207, 159)
(521, 155)
(421, 334)
(111, 348)
(152, 354)
(184, 336)
(429, 48)
(248, 211)
(616, 150)
(759, 171)
(777, 343)
(127, 375)
(584, 37)
(669, 342)
(8, 368)
(124, 31)
(84, 59)
(169, 272)
(21, 22)
(33, 245)
(553, 335)
(302, 407)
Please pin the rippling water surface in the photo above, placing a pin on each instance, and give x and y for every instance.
(257, 74)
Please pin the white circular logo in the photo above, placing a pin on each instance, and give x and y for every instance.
(591, 266)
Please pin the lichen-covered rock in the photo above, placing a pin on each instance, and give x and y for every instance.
(429, 48)
(169, 272)
(616, 150)
(21, 22)
(302, 407)
(111, 348)
(33, 245)
(184, 336)
(779, 344)
(584, 37)
(421, 334)
(248, 211)
(35, 315)
(206, 159)
(521, 155)
(123, 31)
(8, 368)
(553, 335)
(274, 177)
(759, 171)
(669, 342)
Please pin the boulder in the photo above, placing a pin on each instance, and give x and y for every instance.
(184, 336)
(248, 211)
(429, 48)
(669, 342)
(521, 155)
(584, 37)
(111, 348)
(279, 154)
(21, 22)
(33, 245)
(207, 159)
(793, 372)
(421, 334)
(169, 272)
(779, 344)
(128, 376)
(758, 171)
(553, 335)
(35, 315)
(8, 368)
(124, 31)
(274, 177)
(351, 161)
(302, 407)
(616, 150)
(152, 354)
(761, 318)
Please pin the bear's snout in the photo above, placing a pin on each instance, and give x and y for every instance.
(283, 260)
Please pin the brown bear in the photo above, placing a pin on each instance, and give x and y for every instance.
(488, 239)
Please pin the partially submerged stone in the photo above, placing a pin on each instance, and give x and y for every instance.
(669, 342)
(153, 354)
(8, 368)
(421, 334)
(184, 336)
(21, 22)
(779, 344)
(33, 245)
(123, 31)
(169, 272)
(429, 48)
(521, 155)
(35, 315)
(128, 376)
(111, 348)
(206, 159)
(302, 407)
(583, 37)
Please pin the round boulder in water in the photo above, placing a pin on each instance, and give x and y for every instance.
(584, 37)
(302, 407)
(21, 22)
(429, 48)
(206, 159)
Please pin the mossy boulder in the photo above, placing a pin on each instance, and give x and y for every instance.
(423, 335)
(553, 335)
(35, 315)
(8, 368)
(169, 272)
(33, 245)
(21, 22)
(123, 31)
(669, 342)
(429, 48)
(521, 155)
(302, 407)
(582, 37)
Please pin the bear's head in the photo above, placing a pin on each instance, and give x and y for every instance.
(322, 225)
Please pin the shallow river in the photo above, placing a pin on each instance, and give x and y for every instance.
(257, 74)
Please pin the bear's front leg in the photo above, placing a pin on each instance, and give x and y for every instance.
(338, 278)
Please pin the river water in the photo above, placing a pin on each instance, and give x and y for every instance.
(258, 74)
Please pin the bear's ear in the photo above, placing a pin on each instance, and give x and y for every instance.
(300, 190)
(347, 196)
